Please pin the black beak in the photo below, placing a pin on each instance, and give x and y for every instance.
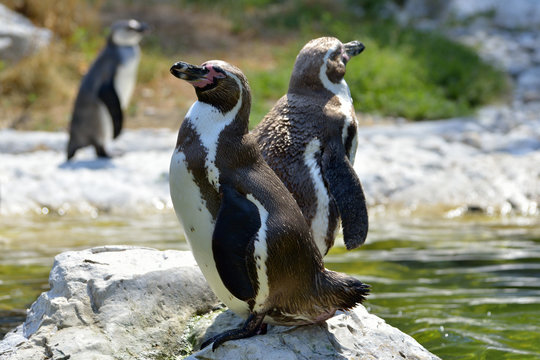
(143, 27)
(354, 48)
(188, 72)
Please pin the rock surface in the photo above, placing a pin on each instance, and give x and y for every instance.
(139, 303)
(355, 334)
(19, 37)
(515, 14)
(112, 303)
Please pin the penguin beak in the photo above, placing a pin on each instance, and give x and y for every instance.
(138, 26)
(198, 76)
(188, 72)
(353, 48)
(143, 27)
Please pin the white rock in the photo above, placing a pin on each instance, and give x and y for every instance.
(121, 302)
(529, 84)
(112, 303)
(489, 162)
(18, 36)
(352, 335)
(515, 14)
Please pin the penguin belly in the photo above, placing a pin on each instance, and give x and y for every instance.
(320, 221)
(126, 75)
(199, 225)
(105, 125)
(347, 109)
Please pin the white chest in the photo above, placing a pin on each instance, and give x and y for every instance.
(319, 223)
(198, 224)
(190, 206)
(347, 109)
(105, 127)
(126, 74)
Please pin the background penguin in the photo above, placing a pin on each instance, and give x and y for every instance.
(106, 90)
(245, 229)
(309, 140)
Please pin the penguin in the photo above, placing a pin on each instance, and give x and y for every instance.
(106, 89)
(245, 230)
(309, 138)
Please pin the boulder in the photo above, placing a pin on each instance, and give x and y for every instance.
(119, 302)
(19, 37)
(113, 303)
(355, 334)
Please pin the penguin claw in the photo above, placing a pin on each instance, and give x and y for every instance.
(251, 327)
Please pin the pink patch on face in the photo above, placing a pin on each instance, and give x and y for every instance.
(208, 78)
(346, 57)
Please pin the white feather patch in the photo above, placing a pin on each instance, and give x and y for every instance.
(209, 122)
(260, 254)
(319, 223)
(126, 74)
(343, 93)
(198, 224)
(106, 124)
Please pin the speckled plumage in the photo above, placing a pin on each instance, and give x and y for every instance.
(245, 229)
(318, 106)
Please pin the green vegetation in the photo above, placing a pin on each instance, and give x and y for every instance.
(402, 73)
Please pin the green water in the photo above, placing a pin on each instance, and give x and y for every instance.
(465, 289)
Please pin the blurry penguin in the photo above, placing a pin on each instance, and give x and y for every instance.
(106, 90)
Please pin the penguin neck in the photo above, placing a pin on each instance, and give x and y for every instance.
(209, 122)
(215, 116)
(340, 89)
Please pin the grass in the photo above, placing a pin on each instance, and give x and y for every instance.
(402, 73)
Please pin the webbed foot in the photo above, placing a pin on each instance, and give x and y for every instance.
(252, 326)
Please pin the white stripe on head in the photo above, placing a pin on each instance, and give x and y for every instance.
(340, 89)
(343, 93)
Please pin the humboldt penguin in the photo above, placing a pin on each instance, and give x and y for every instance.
(246, 231)
(309, 139)
(106, 89)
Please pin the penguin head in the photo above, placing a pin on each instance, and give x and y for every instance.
(216, 82)
(321, 60)
(127, 32)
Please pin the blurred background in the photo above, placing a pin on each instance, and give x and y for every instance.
(447, 94)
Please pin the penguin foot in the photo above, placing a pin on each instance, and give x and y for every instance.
(101, 152)
(251, 327)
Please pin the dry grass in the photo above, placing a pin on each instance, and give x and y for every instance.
(63, 17)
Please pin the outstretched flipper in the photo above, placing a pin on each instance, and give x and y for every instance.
(108, 95)
(237, 225)
(347, 191)
(251, 327)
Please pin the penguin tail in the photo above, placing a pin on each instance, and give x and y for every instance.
(341, 291)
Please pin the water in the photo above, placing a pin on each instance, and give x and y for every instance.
(465, 289)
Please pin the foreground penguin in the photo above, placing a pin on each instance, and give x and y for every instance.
(309, 140)
(245, 229)
(106, 90)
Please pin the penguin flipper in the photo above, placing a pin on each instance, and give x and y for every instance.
(237, 224)
(108, 95)
(346, 189)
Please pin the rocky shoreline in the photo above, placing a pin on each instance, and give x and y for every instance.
(139, 303)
